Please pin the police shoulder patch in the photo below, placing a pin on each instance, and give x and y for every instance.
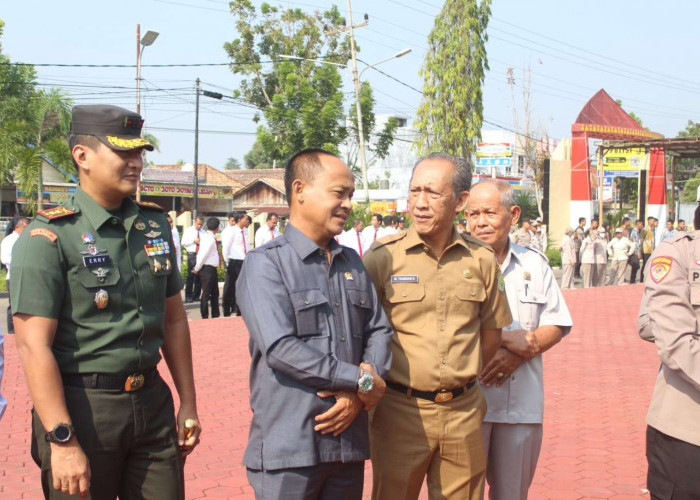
(46, 233)
(55, 213)
(659, 268)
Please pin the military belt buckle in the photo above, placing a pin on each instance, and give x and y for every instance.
(134, 383)
(443, 396)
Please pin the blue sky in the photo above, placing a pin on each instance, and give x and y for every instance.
(640, 52)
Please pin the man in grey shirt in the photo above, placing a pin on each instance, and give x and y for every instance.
(319, 342)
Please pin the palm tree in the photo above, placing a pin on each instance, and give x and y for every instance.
(47, 121)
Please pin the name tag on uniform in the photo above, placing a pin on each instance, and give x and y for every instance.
(408, 278)
(96, 260)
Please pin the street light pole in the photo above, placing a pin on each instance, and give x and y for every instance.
(141, 43)
(196, 153)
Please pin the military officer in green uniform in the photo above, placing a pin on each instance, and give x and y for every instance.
(96, 299)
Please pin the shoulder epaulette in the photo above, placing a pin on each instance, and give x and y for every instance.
(471, 239)
(149, 204)
(538, 252)
(684, 234)
(55, 213)
(384, 240)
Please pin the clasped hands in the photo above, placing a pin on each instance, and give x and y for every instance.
(517, 346)
(348, 405)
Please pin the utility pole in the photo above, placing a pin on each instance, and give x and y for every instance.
(356, 80)
(213, 95)
(358, 108)
(196, 152)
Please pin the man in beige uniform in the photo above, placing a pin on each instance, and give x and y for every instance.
(669, 316)
(444, 295)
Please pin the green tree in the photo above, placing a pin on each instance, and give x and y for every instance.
(33, 126)
(687, 169)
(257, 157)
(301, 101)
(631, 113)
(48, 121)
(377, 142)
(232, 164)
(450, 114)
(16, 89)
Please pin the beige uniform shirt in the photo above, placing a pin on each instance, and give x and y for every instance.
(438, 307)
(670, 316)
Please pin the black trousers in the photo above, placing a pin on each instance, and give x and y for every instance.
(210, 292)
(325, 481)
(10, 324)
(634, 267)
(645, 258)
(228, 302)
(673, 467)
(193, 286)
(129, 439)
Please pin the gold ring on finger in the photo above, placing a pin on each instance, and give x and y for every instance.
(501, 374)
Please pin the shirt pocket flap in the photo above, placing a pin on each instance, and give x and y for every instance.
(405, 292)
(359, 298)
(471, 292)
(695, 295)
(532, 297)
(306, 299)
(89, 279)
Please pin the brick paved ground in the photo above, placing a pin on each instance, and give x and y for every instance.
(598, 384)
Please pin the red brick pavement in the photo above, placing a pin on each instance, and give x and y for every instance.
(597, 381)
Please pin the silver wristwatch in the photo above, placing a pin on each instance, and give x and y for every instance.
(366, 382)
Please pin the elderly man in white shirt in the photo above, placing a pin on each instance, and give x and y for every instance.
(619, 249)
(206, 268)
(268, 232)
(568, 258)
(234, 250)
(512, 381)
(352, 238)
(6, 247)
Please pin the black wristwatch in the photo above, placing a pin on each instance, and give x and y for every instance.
(61, 433)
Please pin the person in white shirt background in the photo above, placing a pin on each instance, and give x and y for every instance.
(620, 248)
(176, 241)
(190, 240)
(388, 226)
(6, 257)
(234, 250)
(268, 232)
(352, 238)
(373, 232)
(206, 267)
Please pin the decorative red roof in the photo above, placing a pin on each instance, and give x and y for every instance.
(601, 109)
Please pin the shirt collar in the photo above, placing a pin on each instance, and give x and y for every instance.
(413, 239)
(98, 215)
(304, 246)
(514, 253)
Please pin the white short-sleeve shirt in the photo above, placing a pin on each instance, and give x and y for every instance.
(535, 300)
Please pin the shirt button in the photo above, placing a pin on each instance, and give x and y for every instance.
(342, 339)
(473, 294)
(442, 328)
(362, 302)
(404, 294)
(306, 301)
(141, 343)
(114, 220)
(444, 361)
(442, 297)
(141, 308)
(337, 303)
(136, 273)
